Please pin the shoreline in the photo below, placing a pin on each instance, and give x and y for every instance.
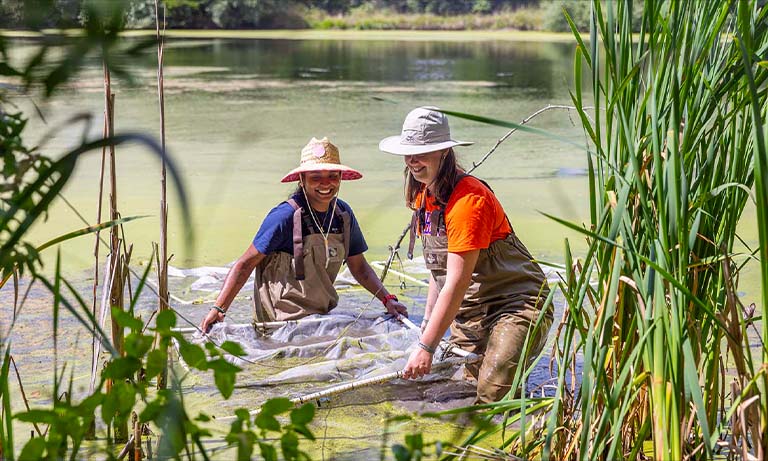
(319, 34)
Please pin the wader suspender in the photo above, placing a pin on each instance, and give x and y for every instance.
(435, 218)
(298, 237)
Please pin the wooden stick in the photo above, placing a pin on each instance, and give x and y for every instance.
(510, 132)
(108, 276)
(128, 447)
(116, 298)
(95, 344)
(23, 394)
(380, 265)
(15, 293)
(393, 252)
(136, 437)
(149, 448)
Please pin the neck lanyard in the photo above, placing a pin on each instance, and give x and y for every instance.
(323, 234)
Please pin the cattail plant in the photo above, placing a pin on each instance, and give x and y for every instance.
(653, 307)
(118, 259)
(652, 354)
(162, 251)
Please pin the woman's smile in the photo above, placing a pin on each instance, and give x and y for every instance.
(321, 187)
(424, 167)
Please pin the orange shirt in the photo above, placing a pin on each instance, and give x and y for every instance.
(474, 218)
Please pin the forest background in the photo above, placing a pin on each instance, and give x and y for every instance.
(539, 15)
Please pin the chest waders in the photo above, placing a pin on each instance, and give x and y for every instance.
(501, 305)
(292, 286)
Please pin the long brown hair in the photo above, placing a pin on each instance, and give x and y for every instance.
(444, 184)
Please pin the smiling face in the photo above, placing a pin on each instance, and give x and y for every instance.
(321, 187)
(424, 167)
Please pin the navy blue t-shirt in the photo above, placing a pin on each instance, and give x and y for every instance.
(276, 231)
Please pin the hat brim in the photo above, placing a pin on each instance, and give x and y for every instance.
(347, 173)
(392, 145)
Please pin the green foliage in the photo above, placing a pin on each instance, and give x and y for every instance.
(166, 320)
(156, 360)
(416, 449)
(233, 348)
(481, 6)
(297, 14)
(30, 183)
(579, 11)
(357, 19)
(67, 423)
(223, 375)
(553, 15)
(754, 69)
(40, 13)
(245, 432)
(19, 164)
(212, 14)
(6, 424)
(654, 301)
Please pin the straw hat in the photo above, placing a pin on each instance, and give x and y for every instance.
(321, 155)
(425, 129)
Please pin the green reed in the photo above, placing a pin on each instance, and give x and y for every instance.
(676, 151)
(652, 307)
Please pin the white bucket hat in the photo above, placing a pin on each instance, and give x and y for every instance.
(425, 129)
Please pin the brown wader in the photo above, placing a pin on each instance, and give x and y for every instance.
(502, 303)
(289, 287)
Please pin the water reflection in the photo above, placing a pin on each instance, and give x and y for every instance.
(544, 67)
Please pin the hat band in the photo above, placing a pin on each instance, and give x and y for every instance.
(318, 162)
(412, 140)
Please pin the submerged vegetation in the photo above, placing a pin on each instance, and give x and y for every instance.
(652, 357)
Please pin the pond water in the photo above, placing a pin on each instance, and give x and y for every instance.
(238, 113)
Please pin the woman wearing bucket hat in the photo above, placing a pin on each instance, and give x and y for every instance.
(301, 245)
(484, 283)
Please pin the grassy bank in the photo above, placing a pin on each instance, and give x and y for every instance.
(522, 19)
(545, 17)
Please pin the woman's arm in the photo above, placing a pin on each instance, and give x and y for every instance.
(236, 278)
(459, 275)
(431, 300)
(365, 276)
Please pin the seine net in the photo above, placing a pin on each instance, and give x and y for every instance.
(356, 341)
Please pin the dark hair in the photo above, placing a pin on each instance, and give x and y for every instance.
(445, 181)
(298, 187)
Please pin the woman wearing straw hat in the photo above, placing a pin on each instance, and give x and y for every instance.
(484, 283)
(301, 245)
